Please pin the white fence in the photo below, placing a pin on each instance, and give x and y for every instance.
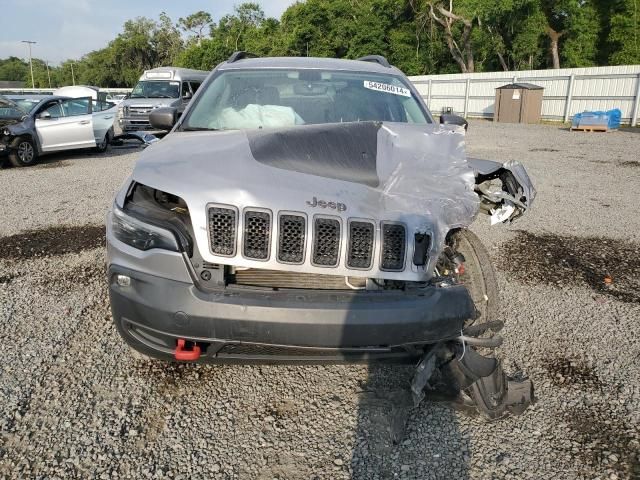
(566, 91)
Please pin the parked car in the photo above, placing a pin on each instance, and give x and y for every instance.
(36, 125)
(116, 98)
(311, 210)
(159, 87)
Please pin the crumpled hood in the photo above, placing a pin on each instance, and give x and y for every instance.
(414, 174)
(5, 122)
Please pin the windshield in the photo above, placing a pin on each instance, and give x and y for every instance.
(26, 104)
(16, 108)
(156, 89)
(243, 99)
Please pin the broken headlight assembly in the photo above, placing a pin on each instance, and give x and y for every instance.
(151, 218)
(139, 234)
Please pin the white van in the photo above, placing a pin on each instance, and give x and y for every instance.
(159, 87)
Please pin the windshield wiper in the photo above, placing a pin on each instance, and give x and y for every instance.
(162, 96)
(199, 129)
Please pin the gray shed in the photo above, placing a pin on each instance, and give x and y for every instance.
(518, 103)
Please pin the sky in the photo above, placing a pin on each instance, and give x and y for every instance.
(70, 28)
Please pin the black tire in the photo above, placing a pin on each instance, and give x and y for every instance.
(104, 145)
(23, 153)
(479, 276)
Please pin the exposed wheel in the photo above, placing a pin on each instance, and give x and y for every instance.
(104, 144)
(23, 154)
(479, 276)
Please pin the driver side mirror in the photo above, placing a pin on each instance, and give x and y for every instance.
(163, 118)
(44, 116)
(450, 119)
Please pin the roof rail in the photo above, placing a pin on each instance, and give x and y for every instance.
(235, 56)
(379, 59)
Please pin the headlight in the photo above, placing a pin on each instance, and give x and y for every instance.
(139, 234)
(6, 132)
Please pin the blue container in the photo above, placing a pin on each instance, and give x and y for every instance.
(609, 119)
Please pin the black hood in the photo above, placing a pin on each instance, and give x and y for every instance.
(344, 151)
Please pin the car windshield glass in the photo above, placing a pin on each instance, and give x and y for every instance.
(12, 109)
(26, 104)
(156, 89)
(244, 99)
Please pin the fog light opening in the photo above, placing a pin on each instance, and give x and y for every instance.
(123, 280)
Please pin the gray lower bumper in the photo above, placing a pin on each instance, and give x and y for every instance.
(153, 312)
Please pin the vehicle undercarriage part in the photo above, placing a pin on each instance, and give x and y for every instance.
(454, 372)
(143, 137)
(505, 189)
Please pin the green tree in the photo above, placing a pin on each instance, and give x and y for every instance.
(573, 31)
(13, 69)
(196, 23)
(245, 29)
(624, 32)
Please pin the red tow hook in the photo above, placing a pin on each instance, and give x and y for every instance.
(186, 355)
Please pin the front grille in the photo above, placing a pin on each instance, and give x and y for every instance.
(326, 242)
(257, 234)
(257, 277)
(137, 111)
(393, 247)
(350, 354)
(258, 227)
(273, 350)
(291, 238)
(361, 235)
(222, 231)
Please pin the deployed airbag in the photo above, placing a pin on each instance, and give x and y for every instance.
(256, 116)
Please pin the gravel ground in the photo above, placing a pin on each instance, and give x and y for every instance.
(76, 403)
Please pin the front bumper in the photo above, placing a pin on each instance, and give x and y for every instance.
(296, 325)
(135, 124)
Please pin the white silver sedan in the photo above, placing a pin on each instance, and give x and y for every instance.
(33, 126)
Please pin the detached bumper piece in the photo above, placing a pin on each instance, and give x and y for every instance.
(459, 375)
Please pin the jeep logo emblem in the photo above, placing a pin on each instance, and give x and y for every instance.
(341, 207)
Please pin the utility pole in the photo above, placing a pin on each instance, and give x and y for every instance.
(73, 77)
(29, 43)
(48, 74)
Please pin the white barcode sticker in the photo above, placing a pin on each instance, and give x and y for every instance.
(386, 88)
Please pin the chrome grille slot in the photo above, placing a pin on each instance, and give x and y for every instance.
(291, 238)
(326, 242)
(257, 235)
(222, 231)
(361, 238)
(394, 240)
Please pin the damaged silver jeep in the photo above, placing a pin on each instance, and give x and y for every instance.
(311, 210)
